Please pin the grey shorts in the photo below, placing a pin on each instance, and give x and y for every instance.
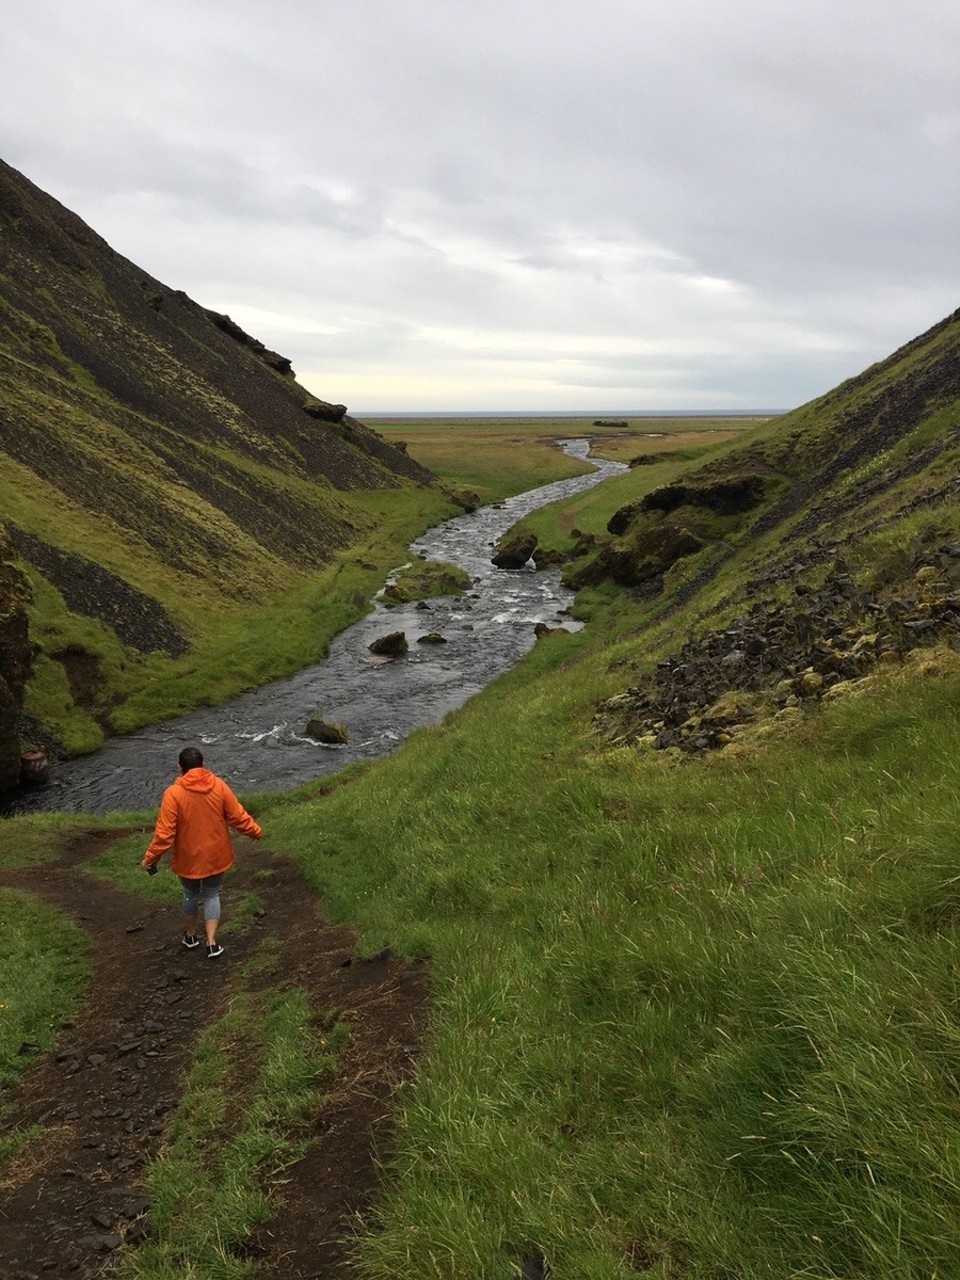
(209, 889)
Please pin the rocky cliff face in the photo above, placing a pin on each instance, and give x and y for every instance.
(128, 397)
(15, 659)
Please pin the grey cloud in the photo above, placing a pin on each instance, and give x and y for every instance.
(385, 174)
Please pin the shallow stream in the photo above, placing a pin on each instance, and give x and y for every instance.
(257, 741)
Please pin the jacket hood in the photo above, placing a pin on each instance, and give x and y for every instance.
(196, 780)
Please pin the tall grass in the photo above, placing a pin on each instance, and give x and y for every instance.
(693, 1018)
(44, 969)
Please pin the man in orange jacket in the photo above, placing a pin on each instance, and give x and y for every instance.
(195, 813)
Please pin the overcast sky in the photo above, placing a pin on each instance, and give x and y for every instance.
(516, 204)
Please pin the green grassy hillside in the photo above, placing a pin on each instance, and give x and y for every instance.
(169, 485)
(687, 879)
(695, 1008)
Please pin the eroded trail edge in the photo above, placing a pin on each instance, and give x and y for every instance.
(75, 1195)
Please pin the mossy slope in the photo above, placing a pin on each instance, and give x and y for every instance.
(695, 1010)
(783, 497)
(152, 444)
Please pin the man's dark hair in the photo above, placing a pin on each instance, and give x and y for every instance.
(190, 758)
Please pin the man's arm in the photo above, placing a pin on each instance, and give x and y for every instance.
(237, 816)
(165, 831)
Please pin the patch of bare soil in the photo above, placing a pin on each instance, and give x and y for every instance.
(102, 1097)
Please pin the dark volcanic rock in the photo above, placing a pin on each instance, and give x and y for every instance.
(649, 459)
(549, 557)
(329, 412)
(270, 358)
(326, 731)
(623, 517)
(93, 591)
(515, 552)
(644, 559)
(793, 653)
(731, 496)
(583, 545)
(393, 645)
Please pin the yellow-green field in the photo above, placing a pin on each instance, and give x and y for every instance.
(499, 456)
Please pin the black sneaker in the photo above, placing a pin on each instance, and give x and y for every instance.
(214, 949)
(190, 940)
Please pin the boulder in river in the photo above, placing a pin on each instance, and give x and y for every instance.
(515, 552)
(432, 637)
(325, 731)
(392, 645)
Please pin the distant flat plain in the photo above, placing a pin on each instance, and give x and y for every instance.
(506, 450)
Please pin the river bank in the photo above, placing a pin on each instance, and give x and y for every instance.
(258, 740)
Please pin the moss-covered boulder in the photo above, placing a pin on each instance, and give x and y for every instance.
(424, 580)
(631, 562)
(392, 645)
(326, 732)
(513, 553)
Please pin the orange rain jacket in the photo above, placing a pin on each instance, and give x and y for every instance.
(194, 815)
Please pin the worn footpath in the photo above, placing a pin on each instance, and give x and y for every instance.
(74, 1200)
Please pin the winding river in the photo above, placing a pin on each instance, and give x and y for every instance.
(257, 741)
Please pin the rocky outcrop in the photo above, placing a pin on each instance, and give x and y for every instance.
(783, 658)
(638, 561)
(272, 359)
(727, 497)
(583, 544)
(650, 459)
(324, 412)
(513, 553)
(424, 578)
(731, 496)
(468, 499)
(549, 557)
(16, 656)
(623, 518)
(648, 544)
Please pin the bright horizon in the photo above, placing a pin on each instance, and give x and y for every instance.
(572, 413)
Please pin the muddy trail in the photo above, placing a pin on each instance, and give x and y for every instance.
(74, 1199)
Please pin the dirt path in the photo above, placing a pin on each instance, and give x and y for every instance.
(102, 1097)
